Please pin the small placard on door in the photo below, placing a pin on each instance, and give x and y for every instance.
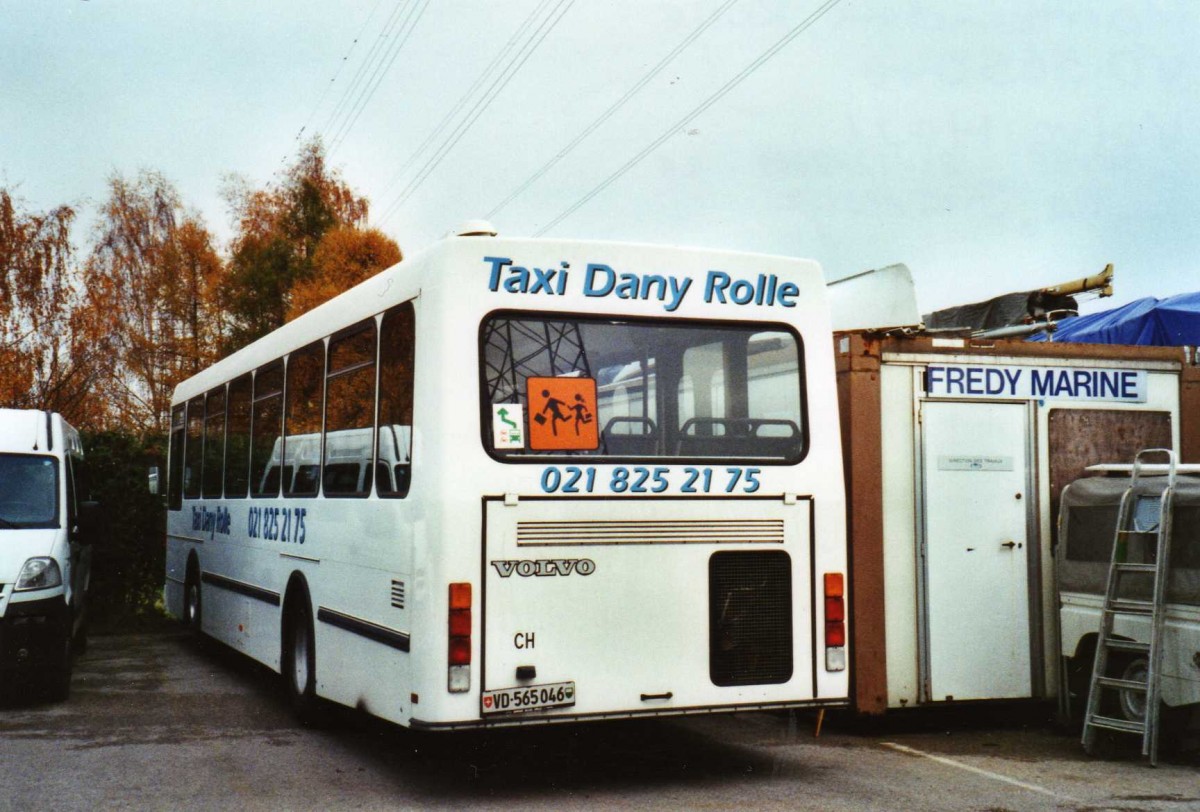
(965, 462)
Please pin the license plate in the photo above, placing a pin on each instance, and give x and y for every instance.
(529, 697)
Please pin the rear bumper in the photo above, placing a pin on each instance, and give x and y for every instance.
(536, 718)
(33, 634)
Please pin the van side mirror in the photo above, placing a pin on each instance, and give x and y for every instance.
(153, 480)
(88, 522)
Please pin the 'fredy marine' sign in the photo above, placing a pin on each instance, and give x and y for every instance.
(1035, 383)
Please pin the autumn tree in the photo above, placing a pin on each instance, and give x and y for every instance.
(298, 241)
(44, 362)
(153, 284)
(344, 257)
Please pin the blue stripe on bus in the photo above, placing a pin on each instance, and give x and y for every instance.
(364, 628)
(242, 588)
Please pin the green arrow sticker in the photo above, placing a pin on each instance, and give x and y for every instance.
(508, 421)
(503, 415)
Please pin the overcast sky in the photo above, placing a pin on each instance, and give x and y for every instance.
(990, 146)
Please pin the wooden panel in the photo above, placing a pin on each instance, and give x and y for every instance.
(1082, 437)
(859, 407)
(1189, 414)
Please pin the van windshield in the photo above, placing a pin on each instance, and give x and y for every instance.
(28, 491)
(678, 390)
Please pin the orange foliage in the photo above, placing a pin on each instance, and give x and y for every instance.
(45, 361)
(279, 231)
(344, 257)
(106, 341)
(152, 282)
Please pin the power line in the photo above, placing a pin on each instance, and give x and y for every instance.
(450, 115)
(341, 66)
(406, 29)
(377, 49)
(803, 26)
(507, 72)
(497, 86)
(607, 114)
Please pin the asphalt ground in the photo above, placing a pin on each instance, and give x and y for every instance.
(158, 722)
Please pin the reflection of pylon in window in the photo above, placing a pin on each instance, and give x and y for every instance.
(515, 349)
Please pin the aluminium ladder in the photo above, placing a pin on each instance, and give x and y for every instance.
(1142, 518)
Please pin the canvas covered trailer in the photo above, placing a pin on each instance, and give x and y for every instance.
(956, 453)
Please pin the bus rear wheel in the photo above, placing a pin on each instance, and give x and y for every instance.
(298, 662)
(192, 607)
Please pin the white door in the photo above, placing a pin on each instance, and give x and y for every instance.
(975, 465)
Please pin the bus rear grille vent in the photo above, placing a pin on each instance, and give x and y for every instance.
(398, 594)
(705, 531)
(750, 617)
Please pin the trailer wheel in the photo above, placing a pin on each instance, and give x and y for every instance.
(298, 660)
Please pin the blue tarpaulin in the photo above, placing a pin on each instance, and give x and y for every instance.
(1170, 322)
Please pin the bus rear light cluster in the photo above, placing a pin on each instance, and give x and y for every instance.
(835, 622)
(459, 651)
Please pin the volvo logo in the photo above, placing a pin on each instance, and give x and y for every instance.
(545, 566)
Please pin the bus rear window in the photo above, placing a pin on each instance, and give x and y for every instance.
(633, 389)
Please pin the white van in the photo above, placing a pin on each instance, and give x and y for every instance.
(46, 528)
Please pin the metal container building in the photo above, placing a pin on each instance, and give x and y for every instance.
(956, 452)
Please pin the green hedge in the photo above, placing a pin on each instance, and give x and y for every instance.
(129, 555)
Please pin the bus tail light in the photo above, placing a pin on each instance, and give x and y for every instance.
(459, 652)
(835, 622)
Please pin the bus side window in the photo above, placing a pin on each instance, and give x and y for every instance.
(193, 452)
(393, 469)
(214, 443)
(266, 444)
(302, 420)
(350, 411)
(237, 442)
(175, 466)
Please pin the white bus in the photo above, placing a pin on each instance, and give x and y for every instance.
(526, 481)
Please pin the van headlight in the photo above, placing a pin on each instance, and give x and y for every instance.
(39, 573)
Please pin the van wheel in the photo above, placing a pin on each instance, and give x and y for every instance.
(1133, 703)
(80, 643)
(1172, 722)
(59, 682)
(298, 662)
(81, 639)
(192, 607)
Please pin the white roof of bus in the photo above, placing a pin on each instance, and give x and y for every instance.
(407, 279)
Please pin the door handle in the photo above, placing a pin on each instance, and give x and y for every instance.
(1009, 544)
